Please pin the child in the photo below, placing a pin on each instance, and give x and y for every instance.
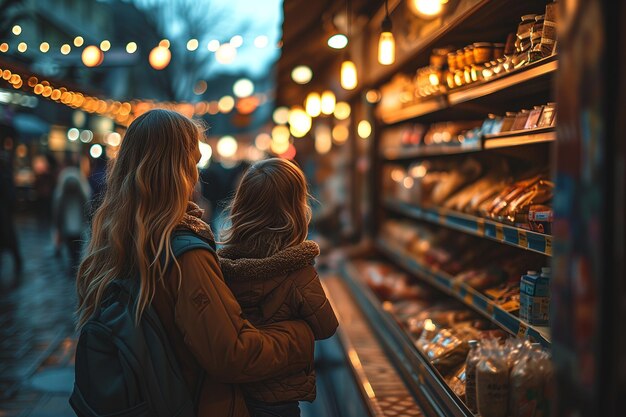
(268, 265)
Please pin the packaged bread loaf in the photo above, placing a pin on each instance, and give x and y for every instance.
(492, 381)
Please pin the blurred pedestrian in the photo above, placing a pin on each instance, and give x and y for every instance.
(46, 170)
(70, 204)
(8, 234)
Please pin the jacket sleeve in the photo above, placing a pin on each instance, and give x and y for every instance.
(314, 307)
(228, 347)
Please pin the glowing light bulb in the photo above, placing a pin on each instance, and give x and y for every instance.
(313, 105)
(226, 54)
(342, 110)
(348, 75)
(159, 57)
(17, 29)
(227, 146)
(44, 47)
(301, 74)
(131, 47)
(213, 45)
(105, 45)
(338, 41)
(386, 44)
(299, 122)
(427, 8)
(328, 102)
(78, 41)
(92, 56)
(281, 115)
(66, 49)
(243, 88)
(95, 151)
(236, 41)
(192, 44)
(364, 129)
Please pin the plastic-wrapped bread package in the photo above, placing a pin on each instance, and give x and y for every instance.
(473, 357)
(492, 381)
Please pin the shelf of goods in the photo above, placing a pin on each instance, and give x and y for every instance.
(514, 236)
(528, 79)
(503, 140)
(427, 384)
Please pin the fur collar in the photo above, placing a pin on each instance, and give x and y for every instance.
(236, 267)
(192, 220)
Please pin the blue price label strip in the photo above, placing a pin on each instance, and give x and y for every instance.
(548, 249)
(522, 239)
(499, 232)
(480, 227)
(522, 331)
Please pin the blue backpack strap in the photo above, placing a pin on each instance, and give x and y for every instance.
(185, 240)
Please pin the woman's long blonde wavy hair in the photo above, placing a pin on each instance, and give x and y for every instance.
(270, 210)
(148, 188)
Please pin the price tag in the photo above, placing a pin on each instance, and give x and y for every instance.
(522, 239)
(499, 232)
(469, 299)
(490, 309)
(548, 245)
(523, 329)
(480, 227)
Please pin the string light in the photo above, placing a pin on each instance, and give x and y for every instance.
(349, 79)
(95, 151)
(213, 45)
(261, 41)
(44, 47)
(66, 49)
(105, 45)
(313, 104)
(342, 110)
(236, 41)
(364, 129)
(78, 41)
(340, 134)
(227, 146)
(243, 88)
(301, 74)
(164, 43)
(131, 47)
(17, 29)
(22, 47)
(328, 102)
(4, 47)
(92, 56)
(159, 57)
(226, 54)
(281, 115)
(226, 104)
(299, 122)
(192, 44)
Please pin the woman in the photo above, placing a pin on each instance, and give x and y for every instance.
(146, 200)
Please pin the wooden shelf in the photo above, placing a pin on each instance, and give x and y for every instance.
(477, 226)
(525, 75)
(520, 138)
(529, 79)
(466, 294)
(396, 154)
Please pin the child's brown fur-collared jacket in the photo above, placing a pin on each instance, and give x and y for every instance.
(283, 286)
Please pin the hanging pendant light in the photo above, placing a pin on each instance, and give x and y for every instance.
(349, 79)
(313, 105)
(386, 42)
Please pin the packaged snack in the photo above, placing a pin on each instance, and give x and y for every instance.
(548, 36)
(547, 116)
(492, 381)
(458, 383)
(525, 386)
(540, 218)
(520, 120)
(470, 375)
(533, 117)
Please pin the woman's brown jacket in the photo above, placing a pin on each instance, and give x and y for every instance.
(284, 286)
(208, 333)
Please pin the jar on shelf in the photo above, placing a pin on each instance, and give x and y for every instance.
(482, 52)
(469, 55)
(438, 57)
(451, 70)
(498, 50)
(460, 59)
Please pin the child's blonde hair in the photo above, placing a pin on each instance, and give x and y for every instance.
(270, 211)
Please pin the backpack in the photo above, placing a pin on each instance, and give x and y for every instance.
(123, 370)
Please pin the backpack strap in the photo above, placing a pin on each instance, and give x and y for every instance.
(184, 240)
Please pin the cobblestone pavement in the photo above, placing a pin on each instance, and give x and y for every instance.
(36, 329)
